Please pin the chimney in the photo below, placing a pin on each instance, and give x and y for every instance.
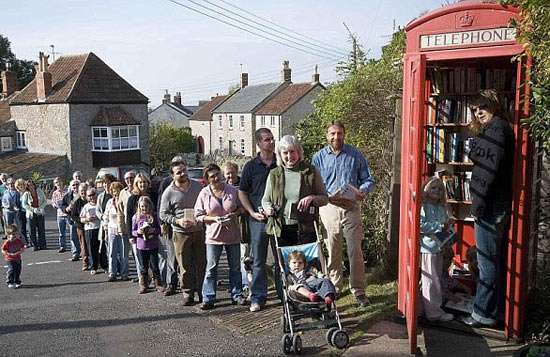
(315, 75)
(43, 78)
(166, 98)
(244, 80)
(177, 98)
(9, 81)
(286, 75)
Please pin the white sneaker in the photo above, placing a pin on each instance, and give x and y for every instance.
(17, 286)
(13, 286)
(255, 307)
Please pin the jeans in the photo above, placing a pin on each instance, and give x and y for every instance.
(62, 222)
(489, 231)
(92, 243)
(213, 253)
(136, 259)
(13, 276)
(117, 256)
(21, 222)
(9, 216)
(148, 259)
(259, 241)
(36, 223)
(75, 242)
(167, 261)
(322, 287)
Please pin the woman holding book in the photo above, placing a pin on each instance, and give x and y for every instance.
(491, 152)
(292, 191)
(218, 207)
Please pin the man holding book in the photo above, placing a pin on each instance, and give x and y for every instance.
(176, 209)
(348, 179)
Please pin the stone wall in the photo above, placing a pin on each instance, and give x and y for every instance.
(46, 127)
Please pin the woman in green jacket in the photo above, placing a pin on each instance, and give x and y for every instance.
(34, 201)
(294, 190)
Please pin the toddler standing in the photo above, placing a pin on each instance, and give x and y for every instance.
(12, 249)
(308, 283)
(434, 219)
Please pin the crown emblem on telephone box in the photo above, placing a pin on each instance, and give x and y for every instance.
(465, 20)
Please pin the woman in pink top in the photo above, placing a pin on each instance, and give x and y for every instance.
(218, 207)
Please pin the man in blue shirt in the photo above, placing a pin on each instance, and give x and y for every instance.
(347, 178)
(251, 191)
(3, 188)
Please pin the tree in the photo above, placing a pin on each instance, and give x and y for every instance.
(364, 99)
(24, 69)
(165, 142)
(534, 34)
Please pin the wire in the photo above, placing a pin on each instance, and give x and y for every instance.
(264, 19)
(338, 52)
(251, 32)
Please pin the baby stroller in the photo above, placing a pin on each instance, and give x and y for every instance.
(295, 310)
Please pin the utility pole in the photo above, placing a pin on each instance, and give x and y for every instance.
(53, 53)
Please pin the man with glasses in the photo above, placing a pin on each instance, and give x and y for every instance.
(62, 217)
(64, 206)
(121, 207)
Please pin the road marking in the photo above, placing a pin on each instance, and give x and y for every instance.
(48, 262)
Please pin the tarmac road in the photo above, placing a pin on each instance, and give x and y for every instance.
(62, 310)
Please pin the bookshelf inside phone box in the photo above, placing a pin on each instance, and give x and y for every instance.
(451, 54)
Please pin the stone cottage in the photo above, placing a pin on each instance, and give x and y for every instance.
(201, 124)
(172, 112)
(79, 113)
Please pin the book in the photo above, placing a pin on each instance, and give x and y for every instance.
(189, 215)
(429, 145)
(464, 303)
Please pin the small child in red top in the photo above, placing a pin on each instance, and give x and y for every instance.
(12, 249)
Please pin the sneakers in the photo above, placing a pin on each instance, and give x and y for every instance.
(255, 307)
(74, 259)
(93, 272)
(10, 285)
(17, 286)
(240, 300)
(362, 300)
(61, 250)
(85, 268)
(328, 300)
(125, 278)
(312, 297)
(444, 317)
(209, 305)
(111, 279)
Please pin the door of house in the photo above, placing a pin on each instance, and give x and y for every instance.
(415, 68)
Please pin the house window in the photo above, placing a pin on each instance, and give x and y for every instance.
(220, 123)
(221, 143)
(262, 120)
(231, 122)
(241, 122)
(272, 121)
(6, 143)
(242, 146)
(115, 138)
(21, 140)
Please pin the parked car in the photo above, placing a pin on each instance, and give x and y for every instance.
(118, 172)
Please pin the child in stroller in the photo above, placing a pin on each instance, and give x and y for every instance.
(308, 283)
(308, 297)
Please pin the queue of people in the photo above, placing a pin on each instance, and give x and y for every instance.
(185, 227)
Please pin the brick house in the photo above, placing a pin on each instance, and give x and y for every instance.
(173, 113)
(83, 114)
(277, 106)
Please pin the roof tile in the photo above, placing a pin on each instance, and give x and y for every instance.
(285, 99)
(205, 111)
(112, 117)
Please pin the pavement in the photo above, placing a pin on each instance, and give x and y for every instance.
(61, 310)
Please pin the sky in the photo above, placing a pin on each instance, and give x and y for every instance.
(159, 45)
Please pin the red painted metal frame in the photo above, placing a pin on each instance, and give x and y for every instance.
(412, 139)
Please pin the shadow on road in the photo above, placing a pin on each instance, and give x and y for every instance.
(39, 286)
(67, 325)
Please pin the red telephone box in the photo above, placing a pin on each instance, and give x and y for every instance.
(451, 53)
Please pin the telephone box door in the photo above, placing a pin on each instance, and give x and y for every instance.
(412, 139)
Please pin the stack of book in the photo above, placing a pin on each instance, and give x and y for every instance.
(457, 186)
(461, 80)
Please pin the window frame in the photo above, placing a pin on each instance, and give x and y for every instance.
(21, 137)
(272, 121)
(241, 122)
(243, 146)
(262, 120)
(111, 138)
(3, 140)
(230, 120)
(220, 122)
(220, 143)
